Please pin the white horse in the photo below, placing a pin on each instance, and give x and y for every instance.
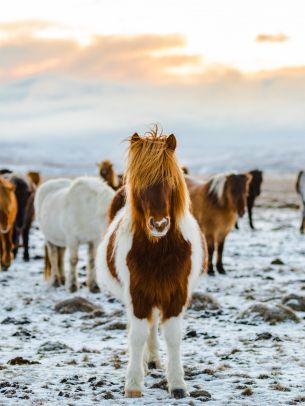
(300, 187)
(70, 213)
(152, 256)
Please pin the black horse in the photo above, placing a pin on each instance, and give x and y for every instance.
(254, 192)
(25, 193)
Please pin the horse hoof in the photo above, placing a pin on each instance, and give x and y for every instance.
(4, 268)
(133, 393)
(221, 271)
(154, 365)
(56, 283)
(73, 288)
(211, 272)
(94, 288)
(26, 259)
(63, 280)
(178, 393)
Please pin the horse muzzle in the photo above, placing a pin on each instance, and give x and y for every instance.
(159, 228)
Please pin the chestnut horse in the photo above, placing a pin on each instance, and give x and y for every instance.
(300, 188)
(216, 205)
(107, 172)
(8, 212)
(35, 177)
(152, 256)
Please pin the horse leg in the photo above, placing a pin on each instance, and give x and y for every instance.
(302, 228)
(91, 277)
(73, 280)
(250, 207)
(210, 242)
(6, 256)
(25, 239)
(137, 337)
(15, 241)
(1, 251)
(61, 264)
(219, 264)
(174, 370)
(53, 252)
(152, 350)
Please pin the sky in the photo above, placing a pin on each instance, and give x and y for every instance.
(229, 72)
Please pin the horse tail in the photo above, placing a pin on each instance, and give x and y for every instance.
(47, 264)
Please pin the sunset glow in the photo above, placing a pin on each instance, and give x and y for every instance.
(218, 33)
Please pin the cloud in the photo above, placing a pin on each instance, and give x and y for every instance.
(272, 38)
(142, 57)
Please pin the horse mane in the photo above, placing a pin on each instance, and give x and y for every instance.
(216, 186)
(150, 161)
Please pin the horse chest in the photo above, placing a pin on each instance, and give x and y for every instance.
(159, 276)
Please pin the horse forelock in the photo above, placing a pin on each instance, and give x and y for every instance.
(151, 162)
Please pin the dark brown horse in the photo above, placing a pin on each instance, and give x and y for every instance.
(25, 193)
(8, 211)
(254, 192)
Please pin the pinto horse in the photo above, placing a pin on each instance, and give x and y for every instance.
(8, 212)
(300, 188)
(107, 172)
(152, 256)
(216, 205)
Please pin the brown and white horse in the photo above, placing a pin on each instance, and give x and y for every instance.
(152, 256)
(216, 205)
(107, 172)
(8, 212)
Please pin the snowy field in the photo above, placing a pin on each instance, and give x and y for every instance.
(78, 359)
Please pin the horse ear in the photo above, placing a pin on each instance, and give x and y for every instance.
(135, 138)
(171, 142)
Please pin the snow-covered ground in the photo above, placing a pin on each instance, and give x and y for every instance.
(221, 354)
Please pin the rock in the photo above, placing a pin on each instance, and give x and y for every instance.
(116, 325)
(78, 304)
(200, 393)
(277, 261)
(191, 334)
(12, 320)
(160, 385)
(263, 336)
(269, 313)
(21, 361)
(204, 301)
(55, 346)
(295, 302)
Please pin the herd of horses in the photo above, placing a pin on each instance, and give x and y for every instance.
(150, 235)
